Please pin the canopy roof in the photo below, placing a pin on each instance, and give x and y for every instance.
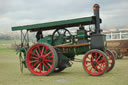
(57, 24)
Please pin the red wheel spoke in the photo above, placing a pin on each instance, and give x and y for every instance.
(101, 66)
(33, 57)
(37, 67)
(104, 64)
(96, 55)
(101, 61)
(88, 58)
(33, 61)
(35, 64)
(50, 57)
(99, 57)
(98, 69)
(40, 67)
(46, 66)
(37, 52)
(49, 65)
(45, 51)
(42, 50)
(43, 68)
(95, 70)
(92, 57)
(90, 69)
(49, 60)
(89, 65)
(88, 62)
(48, 53)
(33, 54)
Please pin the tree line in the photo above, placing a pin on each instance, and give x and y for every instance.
(14, 37)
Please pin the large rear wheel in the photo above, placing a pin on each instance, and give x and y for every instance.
(95, 62)
(41, 59)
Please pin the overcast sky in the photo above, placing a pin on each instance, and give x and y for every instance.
(23, 12)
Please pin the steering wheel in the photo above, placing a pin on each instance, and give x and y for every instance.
(61, 36)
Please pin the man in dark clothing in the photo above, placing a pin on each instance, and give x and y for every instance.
(39, 35)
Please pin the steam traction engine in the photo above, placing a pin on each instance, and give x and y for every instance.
(53, 53)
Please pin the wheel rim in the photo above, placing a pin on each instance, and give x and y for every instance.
(95, 63)
(111, 60)
(40, 59)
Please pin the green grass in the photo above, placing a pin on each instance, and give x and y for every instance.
(75, 75)
(7, 43)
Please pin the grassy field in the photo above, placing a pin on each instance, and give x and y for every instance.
(10, 73)
(8, 43)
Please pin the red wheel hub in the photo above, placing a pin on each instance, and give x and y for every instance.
(40, 59)
(95, 62)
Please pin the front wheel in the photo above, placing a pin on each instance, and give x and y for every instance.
(95, 62)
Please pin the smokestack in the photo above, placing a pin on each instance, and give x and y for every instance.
(96, 8)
